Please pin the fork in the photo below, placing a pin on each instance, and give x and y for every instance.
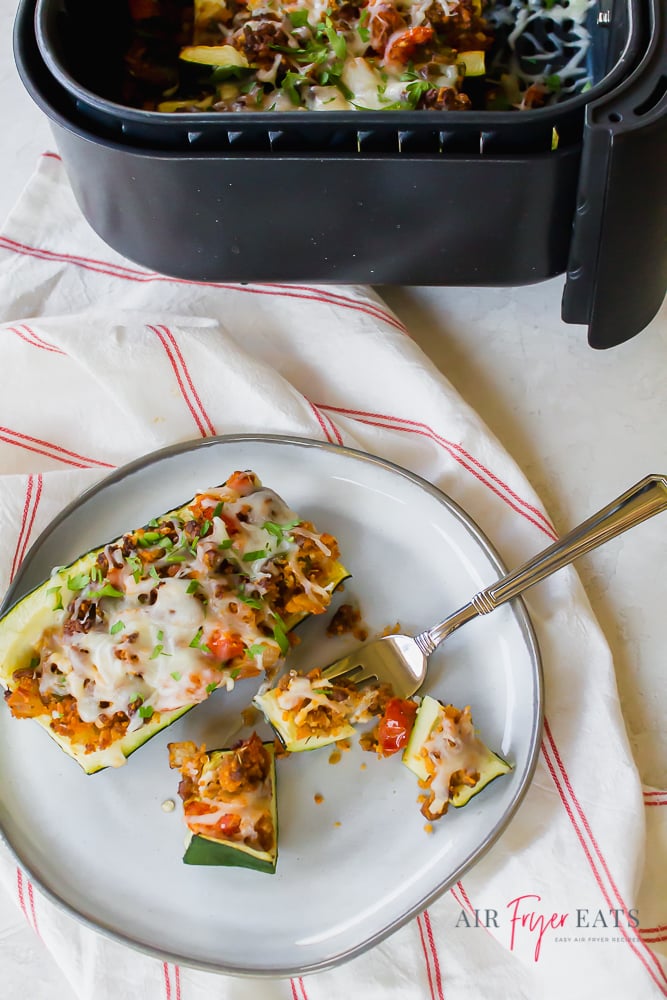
(402, 660)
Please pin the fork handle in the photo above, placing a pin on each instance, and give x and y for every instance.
(641, 501)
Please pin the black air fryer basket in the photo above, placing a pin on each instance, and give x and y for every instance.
(390, 197)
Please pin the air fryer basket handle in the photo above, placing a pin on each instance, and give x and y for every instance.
(617, 270)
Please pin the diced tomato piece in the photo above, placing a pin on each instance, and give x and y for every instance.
(231, 524)
(242, 483)
(395, 725)
(195, 807)
(403, 47)
(228, 825)
(224, 645)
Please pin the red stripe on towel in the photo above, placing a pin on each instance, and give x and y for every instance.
(30, 337)
(334, 429)
(434, 954)
(167, 981)
(644, 955)
(427, 960)
(591, 837)
(20, 894)
(302, 987)
(51, 450)
(459, 454)
(184, 379)
(321, 422)
(31, 900)
(32, 498)
(307, 293)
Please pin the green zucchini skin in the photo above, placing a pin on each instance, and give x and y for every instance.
(23, 623)
(206, 851)
(489, 764)
(214, 854)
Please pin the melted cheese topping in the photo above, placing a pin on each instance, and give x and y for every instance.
(452, 746)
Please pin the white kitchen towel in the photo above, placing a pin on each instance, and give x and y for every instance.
(103, 361)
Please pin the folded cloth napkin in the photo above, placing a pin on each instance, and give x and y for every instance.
(104, 361)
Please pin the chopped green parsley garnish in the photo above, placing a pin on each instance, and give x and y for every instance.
(252, 602)
(299, 18)
(108, 591)
(78, 582)
(136, 567)
(279, 530)
(146, 711)
(196, 643)
(211, 687)
(176, 674)
(254, 556)
(280, 636)
(58, 603)
(117, 627)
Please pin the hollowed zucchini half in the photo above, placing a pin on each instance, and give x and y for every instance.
(23, 625)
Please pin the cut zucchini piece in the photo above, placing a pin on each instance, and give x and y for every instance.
(171, 107)
(115, 647)
(307, 711)
(214, 56)
(473, 61)
(294, 736)
(235, 790)
(448, 757)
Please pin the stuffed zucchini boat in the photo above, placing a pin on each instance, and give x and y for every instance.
(307, 711)
(229, 804)
(450, 760)
(113, 648)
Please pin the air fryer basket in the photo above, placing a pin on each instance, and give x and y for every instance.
(91, 76)
(469, 198)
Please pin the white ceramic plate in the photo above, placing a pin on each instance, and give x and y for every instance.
(352, 868)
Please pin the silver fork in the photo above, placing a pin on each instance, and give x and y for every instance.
(402, 660)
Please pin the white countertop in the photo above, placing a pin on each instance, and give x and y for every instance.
(583, 426)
